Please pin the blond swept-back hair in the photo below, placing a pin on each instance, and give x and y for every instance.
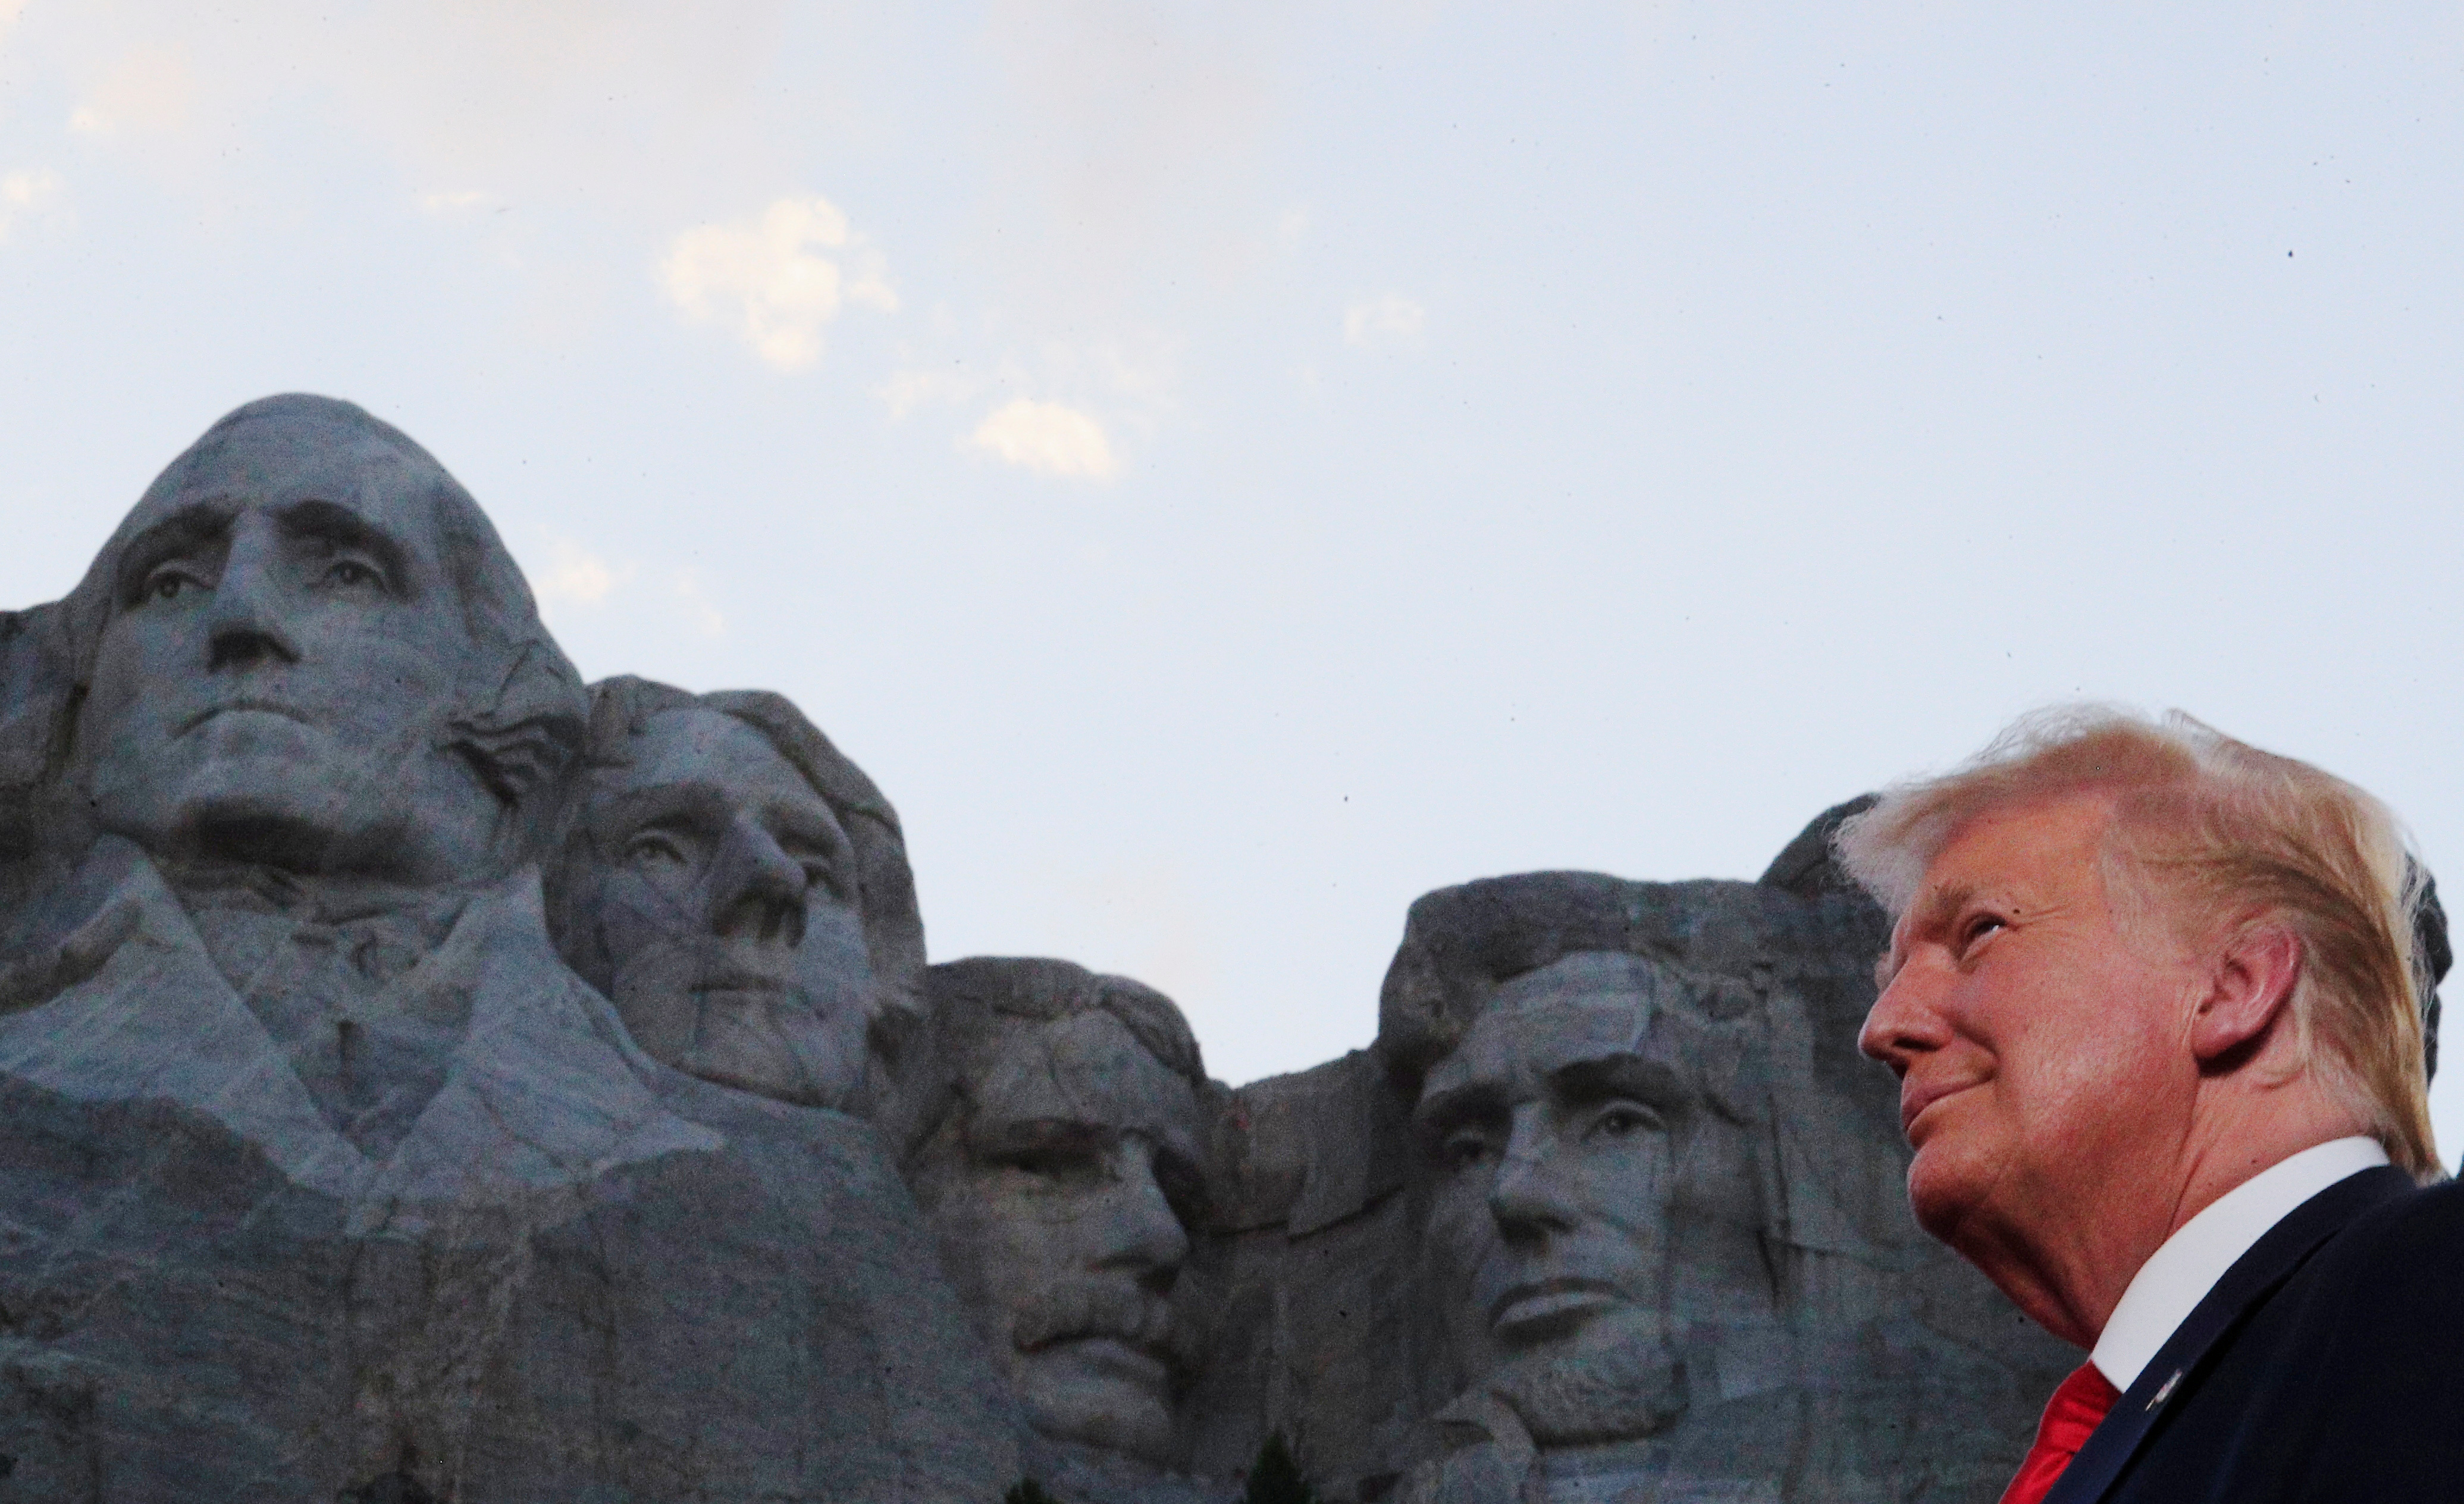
(2211, 834)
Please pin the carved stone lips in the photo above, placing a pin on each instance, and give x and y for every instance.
(1133, 1362)
(227, 706)
(1550, 1302)
(735, 979)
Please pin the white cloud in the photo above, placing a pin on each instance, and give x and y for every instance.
(578, 577)
(26, 193)
(1048, 439)
(766, 278)
(1393, 316)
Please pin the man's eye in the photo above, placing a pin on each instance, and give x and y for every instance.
(1462, 1151)
(1977, 927)
(1048, 1164)
(348, 574)
(820, 875)
(1619, 1120)
(651, 849)
(169, 584)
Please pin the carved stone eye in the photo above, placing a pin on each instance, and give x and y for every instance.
(1622, 1119)
(651, 849)
(1463, 1151)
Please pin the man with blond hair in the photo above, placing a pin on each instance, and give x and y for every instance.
(2155, 1001)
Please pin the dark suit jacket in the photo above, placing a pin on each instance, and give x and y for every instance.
(2326, 1364)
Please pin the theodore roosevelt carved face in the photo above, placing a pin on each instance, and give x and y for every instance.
(1063, 1189)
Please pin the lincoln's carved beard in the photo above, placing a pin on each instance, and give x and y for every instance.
(1619, 1391)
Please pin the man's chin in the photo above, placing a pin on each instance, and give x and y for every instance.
(1101, 1392)
(768, 1044)
(276, 816)
(1945, 1187)
(1594, 1390)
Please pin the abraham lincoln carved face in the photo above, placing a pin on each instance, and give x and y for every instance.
(1555, 1131)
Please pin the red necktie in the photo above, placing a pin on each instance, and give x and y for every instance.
(2071, 1417)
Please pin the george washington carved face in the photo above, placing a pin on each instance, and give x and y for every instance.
(287, 624)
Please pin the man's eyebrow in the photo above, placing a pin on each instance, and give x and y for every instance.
(693, 797)
(196, 525)
(1929, 915)
(1459, 1103)
(1620, 1073)
(817, 823)
(1013, 1135)
(338, 525)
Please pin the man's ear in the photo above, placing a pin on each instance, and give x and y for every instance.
(2249, 988)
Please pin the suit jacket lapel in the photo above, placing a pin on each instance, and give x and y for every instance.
(2255, 1276)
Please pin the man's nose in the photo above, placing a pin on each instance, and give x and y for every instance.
(1137, 1230)
(244, 625)
(757, 889)
(1532, 1196)
(1904, 1022)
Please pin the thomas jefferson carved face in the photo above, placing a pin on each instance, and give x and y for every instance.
(1061, 1196)
(280, 660)
(1552, 1134)
(726, 897)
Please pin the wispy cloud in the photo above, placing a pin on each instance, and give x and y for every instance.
(25, 194)
(911, 388)
(1048, 439)
(577, 577)
(767, 279)
(1393, 316)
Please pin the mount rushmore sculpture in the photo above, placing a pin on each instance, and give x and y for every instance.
(429, 1078)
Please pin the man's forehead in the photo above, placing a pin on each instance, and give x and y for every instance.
(2041, 842)
(691, 744)
(2034, 851)
(1530, 1033)
(1088, 1069)
(280, 461)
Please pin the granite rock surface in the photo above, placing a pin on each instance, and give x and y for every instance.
(327, 1178)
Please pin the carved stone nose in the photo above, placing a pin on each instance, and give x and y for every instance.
(243, 646)
(759, 890)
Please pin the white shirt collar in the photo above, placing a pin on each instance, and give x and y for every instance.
(2179, 1274)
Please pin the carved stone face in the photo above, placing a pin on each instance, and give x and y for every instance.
(726, 896)
(279, 662)
(1552, 1127)
(1061, 1209)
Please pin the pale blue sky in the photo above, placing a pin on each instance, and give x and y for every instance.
(1228, 469)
